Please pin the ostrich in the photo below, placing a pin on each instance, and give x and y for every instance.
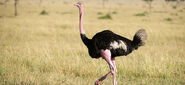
(108, 45)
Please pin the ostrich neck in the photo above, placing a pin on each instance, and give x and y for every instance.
(81, 20)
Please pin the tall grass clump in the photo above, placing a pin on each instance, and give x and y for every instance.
(168, 19)
(141, 14)
(174, 7)
(107, 16)
(43, 12)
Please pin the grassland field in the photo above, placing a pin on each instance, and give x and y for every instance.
(46, 49)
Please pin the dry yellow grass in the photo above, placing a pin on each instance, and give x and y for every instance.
(47, 50)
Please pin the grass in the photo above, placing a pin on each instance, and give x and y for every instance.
(141, 14)
(63, 13)
(43, 12)
(107, 16)
(1, 3)
(174, 7)
(174, 14)
(47, 50)
(114, 12)
(168, 19)
(180, 10)
(99, 13)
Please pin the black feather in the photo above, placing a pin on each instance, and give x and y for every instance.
(102, 40)
(139, 38)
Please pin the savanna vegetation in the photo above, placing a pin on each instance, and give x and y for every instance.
(41, 45)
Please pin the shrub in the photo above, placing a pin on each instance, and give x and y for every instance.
(141, 14)
(168, 19)
(174, 7)
(43, 12)
(107, 16)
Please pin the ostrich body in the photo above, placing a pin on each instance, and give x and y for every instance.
(109, 45)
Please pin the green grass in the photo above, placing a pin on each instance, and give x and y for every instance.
(43, 12)
(168, 19)
(47, 50)
(174, 7)
(107, 16)
(141, 14)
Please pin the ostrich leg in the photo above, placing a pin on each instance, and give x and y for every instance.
(106, 54)
(103, 78)
(115, 70)
(113, 61)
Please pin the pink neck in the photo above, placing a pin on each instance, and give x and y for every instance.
(81, 21)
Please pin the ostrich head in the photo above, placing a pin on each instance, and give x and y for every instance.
(79, 5)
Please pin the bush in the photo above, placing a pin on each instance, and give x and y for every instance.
(141, 14)
(168, 19)
(107, 16)
(44, 12)
(174, 7)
